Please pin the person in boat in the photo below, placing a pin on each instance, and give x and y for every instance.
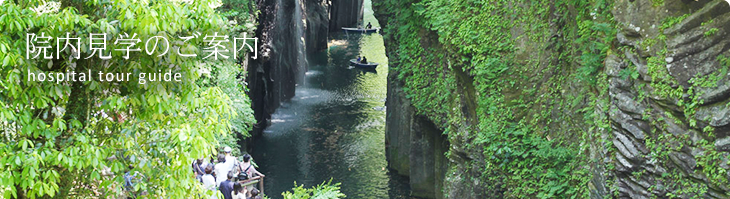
(364, 60)
(369, 26)
(358, 58)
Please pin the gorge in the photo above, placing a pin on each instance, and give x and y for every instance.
(468, 99)
(542, 99)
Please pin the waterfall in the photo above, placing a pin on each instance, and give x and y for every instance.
(289, 30)
(300, 24)
(289, 50)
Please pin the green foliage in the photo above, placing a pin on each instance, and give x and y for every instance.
(242, 14)
(711, 32)
(78, 139)
(671, 21)
(657, 3)
(629, 72)
(663, 144)
(532, 71)
(593, 45)
(326, 190)
(463, 64)
(707, 22)
(225, 77)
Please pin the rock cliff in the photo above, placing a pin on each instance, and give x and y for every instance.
(345, 13)
(556, 99)
(415, 146)
(288, 32)
(670, 124)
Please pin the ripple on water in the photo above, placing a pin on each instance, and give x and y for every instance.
(333, 127)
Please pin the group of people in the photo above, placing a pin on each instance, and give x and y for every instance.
(362, 60)
(225, 175)
(369, 26)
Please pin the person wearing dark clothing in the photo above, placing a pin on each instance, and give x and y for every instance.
(364, 60)
(369, 26)
(255, 194)
(199, 169)
(238, 191)
(226, 187)
(129, 181)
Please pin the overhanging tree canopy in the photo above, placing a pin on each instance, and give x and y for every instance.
(60, 140)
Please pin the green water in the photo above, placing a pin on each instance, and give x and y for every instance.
(334, 127)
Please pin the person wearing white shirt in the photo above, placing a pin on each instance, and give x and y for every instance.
(229, 157)
(238, 191)
(208, 179)
(231, 161)
(221, 170)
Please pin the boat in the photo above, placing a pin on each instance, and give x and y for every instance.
(360, 30)
(369, 65)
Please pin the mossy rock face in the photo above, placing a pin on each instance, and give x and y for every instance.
(669, 123)
(540, 98)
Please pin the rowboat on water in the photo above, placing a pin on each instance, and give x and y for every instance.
(360, 30)
(371, 65)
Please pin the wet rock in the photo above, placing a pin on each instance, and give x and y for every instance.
(690, 53)
(626, 103)
(640, 65)
(673, 128)
(414, 146)
(614, 65)
(723, 144)
(345, 14)
(626, 146)
(289, 31)
(317, 25)
(629, 188)
(717, 115)
(624, 165)
(398, 125)
(685, 161)
(636, 110)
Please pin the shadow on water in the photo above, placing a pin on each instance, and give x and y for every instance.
(334, 126)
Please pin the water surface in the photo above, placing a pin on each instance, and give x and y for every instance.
(334, 127)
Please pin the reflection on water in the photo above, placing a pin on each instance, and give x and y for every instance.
(333, 127)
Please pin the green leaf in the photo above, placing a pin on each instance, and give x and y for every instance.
(59, 92)
(6, 60)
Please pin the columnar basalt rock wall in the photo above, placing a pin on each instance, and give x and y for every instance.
(345, 13)
(656, 124)
(415, 147)
(317, 21)
(288, 32)
(272, 77)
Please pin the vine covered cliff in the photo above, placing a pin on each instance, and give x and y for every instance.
(554, 99)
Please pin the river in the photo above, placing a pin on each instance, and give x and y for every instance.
(334, 126)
